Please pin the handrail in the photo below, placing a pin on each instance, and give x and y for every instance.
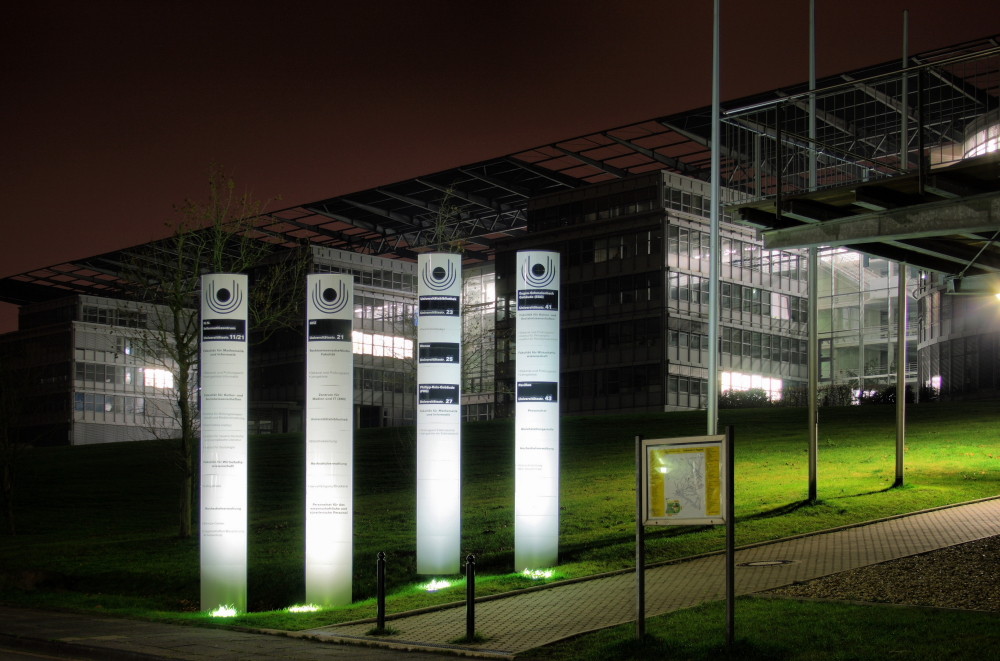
(969, 57)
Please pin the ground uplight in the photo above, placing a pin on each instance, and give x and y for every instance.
(436, 585)
(223, 611)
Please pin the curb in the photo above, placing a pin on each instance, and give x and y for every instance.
(76, 649)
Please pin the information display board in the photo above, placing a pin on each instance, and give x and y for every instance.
(439, 413)
(329, 439)
(223, 367)
(684, 481)
(536, 426)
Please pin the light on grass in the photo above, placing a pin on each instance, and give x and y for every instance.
(223, 611)
(304, 608)
(436, 585)
(537, 574)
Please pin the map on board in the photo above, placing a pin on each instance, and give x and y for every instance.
(684, 484)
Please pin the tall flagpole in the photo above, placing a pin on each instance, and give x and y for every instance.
(713, 279)
(812, 356)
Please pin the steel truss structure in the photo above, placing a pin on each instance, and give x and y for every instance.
(892, 151)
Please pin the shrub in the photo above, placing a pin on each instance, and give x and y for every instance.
(744, 399)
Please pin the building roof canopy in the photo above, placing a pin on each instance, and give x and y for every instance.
(763, 148)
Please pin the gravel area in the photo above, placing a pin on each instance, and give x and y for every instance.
(965, 576)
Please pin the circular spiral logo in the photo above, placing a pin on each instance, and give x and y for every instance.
(329, 300)
(538, 273)
(439, 278)
(223, 297)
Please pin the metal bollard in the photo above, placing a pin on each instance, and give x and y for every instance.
(380, 590)
(470, 597)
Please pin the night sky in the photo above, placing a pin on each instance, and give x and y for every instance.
(113, 111)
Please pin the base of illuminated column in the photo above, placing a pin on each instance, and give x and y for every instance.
(536, 523)
(223, 585)
(438, 526)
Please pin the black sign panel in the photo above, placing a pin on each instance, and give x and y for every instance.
(438, 393)
(538, 299)
(439, 306)
(537, 391)
(439, 352)
(223, 330)
(329, 330)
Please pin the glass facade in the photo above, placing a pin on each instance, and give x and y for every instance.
(85, 377)
(958, 341)
(858, 306)
(383, 341)
(635, 298)
(478, 343)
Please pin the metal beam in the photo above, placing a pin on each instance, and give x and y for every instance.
(880, 198)
(811, 211)
(971, 92)
(764, 220)
(320, 209)
(499, 183)
(671, 162)
(472, 198)
(368, 244)
(379, 211)
(896, 105)
(764, 165)
(897, 254)
(953, 249)
(874, 141)
(974, 214)
(412, 201)
(600, 165)
(552, 175)
(930, 248)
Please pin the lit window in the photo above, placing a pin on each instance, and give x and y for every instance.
(983, 136)
(158, 378)
(386, 346)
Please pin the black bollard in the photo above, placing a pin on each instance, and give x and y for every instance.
(380, 591)
(470, 597)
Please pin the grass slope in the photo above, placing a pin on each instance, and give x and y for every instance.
(96, 523)
(769, 629)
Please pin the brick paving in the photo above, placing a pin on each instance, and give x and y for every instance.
(525, 621)
(521, 621)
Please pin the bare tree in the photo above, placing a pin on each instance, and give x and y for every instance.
(478, 311)
(478, 338)
(447, 234)
(216, 235)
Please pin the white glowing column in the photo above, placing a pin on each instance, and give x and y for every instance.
(224, 441)
(329, 419)
(439, 414)
(536, 425)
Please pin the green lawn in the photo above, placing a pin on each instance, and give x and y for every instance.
(97, 528)
(770, 629)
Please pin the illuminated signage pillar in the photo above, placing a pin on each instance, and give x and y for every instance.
(224, 441)
(439, 414)
(329, 437)
(536, 425)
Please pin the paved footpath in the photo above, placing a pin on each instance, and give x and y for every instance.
(519, 623)
(523, 620)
